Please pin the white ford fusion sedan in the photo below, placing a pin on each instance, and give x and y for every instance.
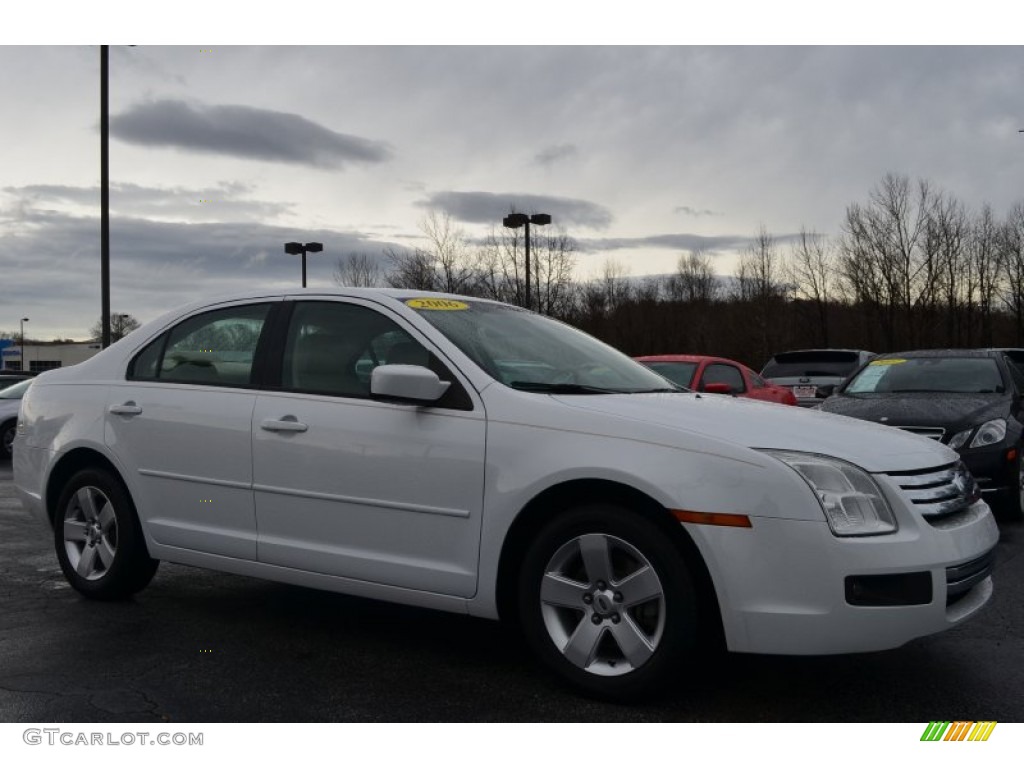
(471, 456)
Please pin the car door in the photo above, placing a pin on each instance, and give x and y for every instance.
(181, 424)
(346, 485)
(758, 388)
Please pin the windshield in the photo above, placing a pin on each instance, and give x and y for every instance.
(679, 372)
(928, 374)
(15, 392)
(820, 363)
(535, 353)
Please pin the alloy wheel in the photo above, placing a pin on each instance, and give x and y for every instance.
(603, 604)
(90, 533)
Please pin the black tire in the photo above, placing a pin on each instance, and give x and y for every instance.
(94, 512)
(7, 432)
(559, 630)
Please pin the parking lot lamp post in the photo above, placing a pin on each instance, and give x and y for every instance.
(22, 361)
(516, 220)
(299, 248)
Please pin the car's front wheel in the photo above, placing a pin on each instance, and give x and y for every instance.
(606, 600)
(99, 543)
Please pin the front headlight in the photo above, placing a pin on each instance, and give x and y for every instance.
(989, 433)
(852, 502)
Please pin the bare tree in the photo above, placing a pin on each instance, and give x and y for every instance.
(883, 258)
(1011, 258)
(120, 326)
(811, 270)
(358, 270)
(410, 269)
(451, 257)
(694, 280)
(984, 255)
(554, 260)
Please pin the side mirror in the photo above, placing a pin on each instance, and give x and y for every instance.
(717, 388)
(826, 390)
(407, 382)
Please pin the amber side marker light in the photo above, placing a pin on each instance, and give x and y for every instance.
(1011, 455)
(712, 518)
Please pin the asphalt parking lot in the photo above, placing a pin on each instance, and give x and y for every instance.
(198, 646)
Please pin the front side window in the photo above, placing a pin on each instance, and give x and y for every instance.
(211, 348)
(720, 373)
(332, 348)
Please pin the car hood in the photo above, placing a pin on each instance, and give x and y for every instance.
(754, 424)
(951, 411)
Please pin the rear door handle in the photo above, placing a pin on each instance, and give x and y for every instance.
(286, 424)
(126, 409)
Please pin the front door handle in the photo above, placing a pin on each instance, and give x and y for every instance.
(285, 424)
(126, 409)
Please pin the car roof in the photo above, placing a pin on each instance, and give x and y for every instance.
(687, 359)
(952, 352)
(823, 349)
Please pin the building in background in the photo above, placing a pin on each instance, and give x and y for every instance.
(44, 355)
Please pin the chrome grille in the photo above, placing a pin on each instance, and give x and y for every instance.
(935, 433)
(938, 493)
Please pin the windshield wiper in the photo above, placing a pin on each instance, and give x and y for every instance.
(562, 389)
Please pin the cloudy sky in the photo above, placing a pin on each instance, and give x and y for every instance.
(220, 154)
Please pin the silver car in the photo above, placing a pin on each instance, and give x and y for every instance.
(805, 370)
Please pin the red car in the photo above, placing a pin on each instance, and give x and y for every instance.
(717, 375)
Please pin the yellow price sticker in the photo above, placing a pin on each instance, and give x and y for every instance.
(889, 361)
(437, 304)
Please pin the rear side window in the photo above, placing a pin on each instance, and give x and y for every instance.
(811, 363)
(211, 348)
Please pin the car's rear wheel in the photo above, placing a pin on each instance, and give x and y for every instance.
(97, 537)
(606, 601)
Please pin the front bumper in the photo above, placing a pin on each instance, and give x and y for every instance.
(782, 584)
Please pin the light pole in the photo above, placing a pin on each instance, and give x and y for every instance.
(516, 220)
(104, 198)
(297, 248)
(22, 361)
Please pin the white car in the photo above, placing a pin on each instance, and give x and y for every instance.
(474, 457)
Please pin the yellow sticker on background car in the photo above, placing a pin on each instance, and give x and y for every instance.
(890, 361)
(441, 304)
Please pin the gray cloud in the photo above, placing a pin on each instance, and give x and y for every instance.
(240, 131)
(52, 264)
(226, 200)
(697, 212)
(681, 241)
(489, 207)
(555, 153)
